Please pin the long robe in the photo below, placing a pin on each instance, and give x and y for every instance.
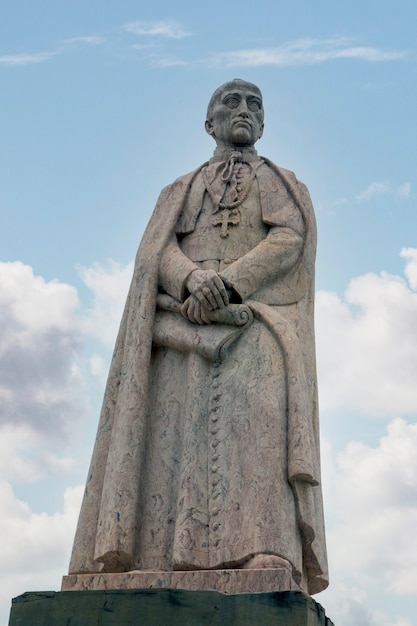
(200, 461)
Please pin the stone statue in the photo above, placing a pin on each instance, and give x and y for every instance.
(207, 453)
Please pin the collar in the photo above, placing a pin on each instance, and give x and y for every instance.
(223, 154)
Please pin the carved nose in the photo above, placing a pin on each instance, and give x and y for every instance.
(242, 109)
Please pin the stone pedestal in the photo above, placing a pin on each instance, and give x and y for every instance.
(226, 580)
(165, 607)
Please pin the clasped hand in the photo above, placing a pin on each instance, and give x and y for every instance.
(207, 293)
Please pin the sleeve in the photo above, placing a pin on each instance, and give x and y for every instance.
(281, 249)
(275, 255)
(174, 269)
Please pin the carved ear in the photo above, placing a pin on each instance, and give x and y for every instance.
(209, 127)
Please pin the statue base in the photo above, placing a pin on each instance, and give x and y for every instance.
(225, 580)
(176, 607)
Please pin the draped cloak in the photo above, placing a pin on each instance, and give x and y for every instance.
(113, 533)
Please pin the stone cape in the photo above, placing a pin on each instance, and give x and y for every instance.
(126, 521)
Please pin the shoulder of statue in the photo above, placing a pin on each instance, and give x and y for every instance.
(282, 171)
(187, 179)
(296, 187)
(179, 186)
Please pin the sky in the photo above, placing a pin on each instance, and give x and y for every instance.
(102, 104)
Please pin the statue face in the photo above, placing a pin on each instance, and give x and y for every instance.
(236, 117)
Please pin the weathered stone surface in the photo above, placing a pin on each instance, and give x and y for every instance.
(165, 607)
(230, 581)
(207, 452)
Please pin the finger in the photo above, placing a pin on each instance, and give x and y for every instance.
(221, 298)
(204, 315)
(214, 293)
(190, 315)
(219, 293)
(184, 308)
(209, 299)
(201, 298)
(196, 313)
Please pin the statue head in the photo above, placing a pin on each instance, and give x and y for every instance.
(235, 114)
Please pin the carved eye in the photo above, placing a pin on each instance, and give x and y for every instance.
(254, 105)
(232, 102)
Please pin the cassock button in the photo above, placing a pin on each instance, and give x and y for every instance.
(214, 468)
(215, 526)
(216, 510)
(215, 384)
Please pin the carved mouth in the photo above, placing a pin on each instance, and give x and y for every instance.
(241, 122)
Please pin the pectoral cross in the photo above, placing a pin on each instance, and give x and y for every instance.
(227, 216)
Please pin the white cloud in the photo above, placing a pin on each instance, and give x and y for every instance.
(25, 535)
(15, 60)
(372, 190)
(42, 391)
(31, 58)
(26, 455)
(350, 605)
(366, 344)
(370, 498)
(35, 547)
(98, 367)
(42, 401)
(167, 61)
(34, 304)
(305, 52)
(144, 46)
(109, 285)
(411, 267)
(93, 40)
(378, 188)
(43, 380)
(165, 28)
(404, 190)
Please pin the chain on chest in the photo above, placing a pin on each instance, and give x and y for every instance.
(226, 232)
